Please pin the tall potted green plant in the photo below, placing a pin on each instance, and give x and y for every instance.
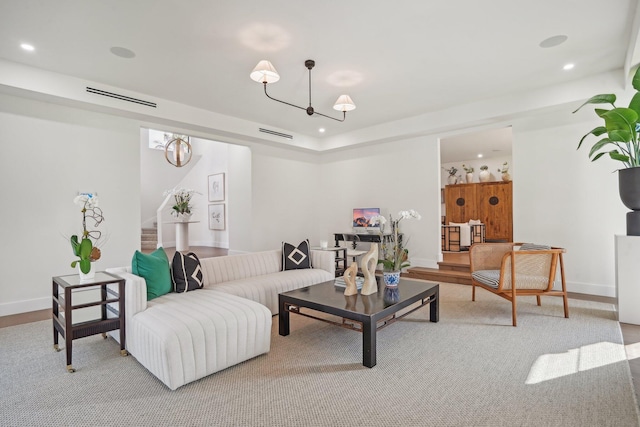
(619, 139)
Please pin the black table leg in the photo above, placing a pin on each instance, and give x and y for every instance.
(68, 330)
(434, 306)
(283, 319)
(56, 312)
(369, 343)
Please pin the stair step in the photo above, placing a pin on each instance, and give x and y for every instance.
(453, 266)
(436, 275)
(150, 230)
(148, 237)
(149, 245)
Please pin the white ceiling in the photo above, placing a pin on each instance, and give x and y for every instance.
(489, 143)
(395, 59)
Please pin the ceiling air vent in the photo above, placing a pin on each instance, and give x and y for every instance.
(121, 97)
(273, 132)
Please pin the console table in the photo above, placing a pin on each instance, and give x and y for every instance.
(364, 237)
(62, 310)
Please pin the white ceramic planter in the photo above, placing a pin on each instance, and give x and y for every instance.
(627, 283)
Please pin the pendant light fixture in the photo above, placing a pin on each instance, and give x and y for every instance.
(266, 73)
(181, 151)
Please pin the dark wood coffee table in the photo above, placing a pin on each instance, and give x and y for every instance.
(363, 313)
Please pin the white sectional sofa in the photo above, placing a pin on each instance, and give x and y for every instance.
(183, 337)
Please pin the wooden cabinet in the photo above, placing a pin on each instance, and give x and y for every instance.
(490, 202)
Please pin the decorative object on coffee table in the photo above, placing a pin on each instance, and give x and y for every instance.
(350, 279)
(368, 266)
(391, 295)
(391, 278)
(395, 256)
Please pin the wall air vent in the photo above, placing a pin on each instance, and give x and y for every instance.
(121, 97)
(273, 132)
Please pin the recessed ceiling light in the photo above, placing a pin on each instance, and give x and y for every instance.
(321, 130)
(568, 66)
(28, 47)
(479, 156)
(122, 52)
(553, 41)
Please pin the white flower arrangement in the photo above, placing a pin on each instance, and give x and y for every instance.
(182, 197)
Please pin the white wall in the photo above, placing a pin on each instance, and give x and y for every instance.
(240, 199)
(286, 197)
(50, 153)
(394, 176)
(561, 198)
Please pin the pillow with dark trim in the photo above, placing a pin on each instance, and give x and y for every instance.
(155, 270)
(296, 258)
(186, 272)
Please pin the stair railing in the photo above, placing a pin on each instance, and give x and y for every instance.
(159, 219)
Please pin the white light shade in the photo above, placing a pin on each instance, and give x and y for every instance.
(265, 72)
(344, 103)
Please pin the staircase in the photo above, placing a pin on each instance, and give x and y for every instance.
(454, 268)
(149, 239)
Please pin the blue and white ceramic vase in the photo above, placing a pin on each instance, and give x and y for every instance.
(391, 278)
(390, 295)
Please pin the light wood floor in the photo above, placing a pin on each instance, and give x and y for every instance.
(630, 333)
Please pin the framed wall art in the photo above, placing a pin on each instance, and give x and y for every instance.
(217, 218)
(216, 187)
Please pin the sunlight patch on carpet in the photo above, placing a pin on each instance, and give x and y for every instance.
(551, 366)
(633, 351)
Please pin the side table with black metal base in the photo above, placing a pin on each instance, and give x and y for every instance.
(63, 307)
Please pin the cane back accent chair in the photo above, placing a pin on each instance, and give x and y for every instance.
(510, 270)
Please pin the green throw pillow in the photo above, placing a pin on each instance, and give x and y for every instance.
(155, 270)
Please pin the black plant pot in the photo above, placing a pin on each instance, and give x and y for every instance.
(629, 186)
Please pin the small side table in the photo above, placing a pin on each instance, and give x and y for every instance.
(63, 307)
(340, 257)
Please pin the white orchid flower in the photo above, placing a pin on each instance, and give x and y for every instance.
(378, 219)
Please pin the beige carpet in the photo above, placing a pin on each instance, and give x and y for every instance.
(470, 369)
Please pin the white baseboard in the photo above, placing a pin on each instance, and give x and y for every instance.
(209, 244)
(591, 289)
(206, 243)
(25, 306)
